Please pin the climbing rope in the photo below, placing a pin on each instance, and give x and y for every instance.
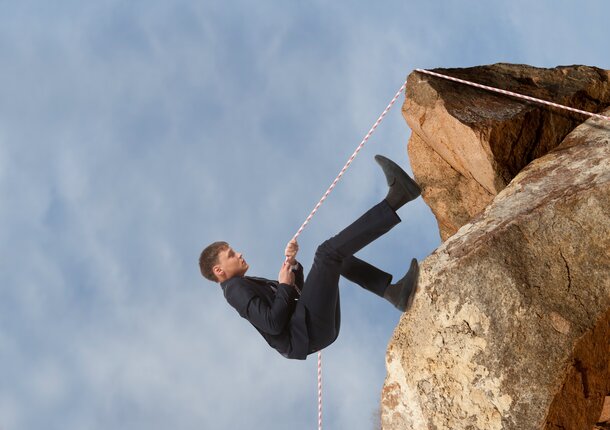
(512, 94)
(349, 161)
(315, 209)
(372, 130)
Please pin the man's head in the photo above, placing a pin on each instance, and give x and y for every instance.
(219, 262)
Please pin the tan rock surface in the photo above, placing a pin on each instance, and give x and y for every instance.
(467, 144)
(605, 416)
(510, 329)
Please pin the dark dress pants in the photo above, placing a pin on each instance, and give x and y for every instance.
(334, 258)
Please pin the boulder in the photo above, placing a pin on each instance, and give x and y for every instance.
(467, 144)
(511, 325)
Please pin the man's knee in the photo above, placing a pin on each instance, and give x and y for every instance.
(326, 250)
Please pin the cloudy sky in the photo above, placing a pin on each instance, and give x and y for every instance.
(133, 133)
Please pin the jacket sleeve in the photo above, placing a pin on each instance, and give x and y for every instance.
(269, 318)
(272, 319)
(298, 276)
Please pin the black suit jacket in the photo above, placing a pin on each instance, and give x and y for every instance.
(270, 307)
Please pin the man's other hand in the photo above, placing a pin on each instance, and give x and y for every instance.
(292, 248)
(286, 276)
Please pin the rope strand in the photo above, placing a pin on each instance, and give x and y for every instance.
(513, 94)
(319, 390)
(349, 161)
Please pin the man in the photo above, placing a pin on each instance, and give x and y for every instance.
(299, 317)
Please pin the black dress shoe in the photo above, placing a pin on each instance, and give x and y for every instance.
(403, 188)
(402, 293)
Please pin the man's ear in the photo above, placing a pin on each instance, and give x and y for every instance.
(218, 271)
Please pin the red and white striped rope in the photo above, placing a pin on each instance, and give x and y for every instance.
(315, 209)
(319, 390)
(364, 140)
(512, 94)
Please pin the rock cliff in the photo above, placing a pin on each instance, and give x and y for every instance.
(468, 144)
(511, 326)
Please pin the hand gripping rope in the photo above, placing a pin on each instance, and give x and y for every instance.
(372, 130)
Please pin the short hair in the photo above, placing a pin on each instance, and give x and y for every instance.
(209, 258)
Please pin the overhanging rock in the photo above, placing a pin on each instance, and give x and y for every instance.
(467, 143)
(511, 326)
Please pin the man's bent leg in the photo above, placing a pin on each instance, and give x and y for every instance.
(320, 294)
(373, 224)
(366, 275)
(320, 298)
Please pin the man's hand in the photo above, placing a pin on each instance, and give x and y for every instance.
(292, 248)
(286, 276)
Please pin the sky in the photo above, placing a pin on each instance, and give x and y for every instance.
(134, 133)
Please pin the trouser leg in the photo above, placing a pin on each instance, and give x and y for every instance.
(371, 225)
(366, 275)
(320, 294)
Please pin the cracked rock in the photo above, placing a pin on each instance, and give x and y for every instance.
(511, 325)
(467, 144)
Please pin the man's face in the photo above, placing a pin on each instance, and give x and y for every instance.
(231, 264)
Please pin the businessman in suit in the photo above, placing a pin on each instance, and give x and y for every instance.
(298, 317)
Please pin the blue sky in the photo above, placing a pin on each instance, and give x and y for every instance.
(133, 133)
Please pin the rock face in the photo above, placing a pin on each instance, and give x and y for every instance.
(511, 326)
(467, 144)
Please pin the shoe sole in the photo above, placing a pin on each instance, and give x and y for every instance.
(414, 268)
(399, 175)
